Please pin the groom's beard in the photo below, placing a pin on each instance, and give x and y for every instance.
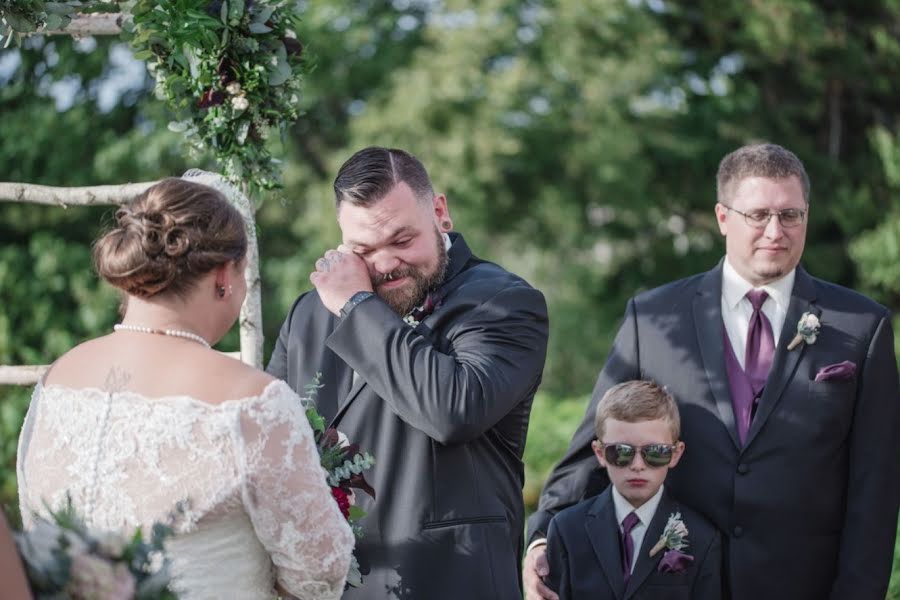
(403, 300)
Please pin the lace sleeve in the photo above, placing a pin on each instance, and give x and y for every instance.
(287, 498)
(21, 453)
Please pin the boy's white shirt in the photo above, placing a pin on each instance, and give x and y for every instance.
(645, 513)
(622, 507)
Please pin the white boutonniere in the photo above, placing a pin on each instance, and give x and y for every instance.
(674, 535)
(807, 330)
(410, 320)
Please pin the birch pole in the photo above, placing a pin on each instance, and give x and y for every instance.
(97, 195)
(83, 25)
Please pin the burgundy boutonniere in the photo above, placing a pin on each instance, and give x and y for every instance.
(432, 302)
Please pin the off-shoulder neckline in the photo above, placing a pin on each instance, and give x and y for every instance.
(129, 394)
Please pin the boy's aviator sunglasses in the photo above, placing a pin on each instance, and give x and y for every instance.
(654, 455)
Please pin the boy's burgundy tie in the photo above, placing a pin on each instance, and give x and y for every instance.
(628, 523)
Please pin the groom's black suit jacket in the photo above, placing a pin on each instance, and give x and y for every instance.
(585, 555)
(809, 505)
(444, 409)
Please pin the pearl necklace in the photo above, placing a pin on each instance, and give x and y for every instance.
(170, 332)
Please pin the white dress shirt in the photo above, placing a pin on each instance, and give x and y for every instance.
(737, 310)
(645, 515)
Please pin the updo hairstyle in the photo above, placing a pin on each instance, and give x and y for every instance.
(169, 237)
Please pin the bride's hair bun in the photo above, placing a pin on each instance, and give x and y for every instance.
(169, 237)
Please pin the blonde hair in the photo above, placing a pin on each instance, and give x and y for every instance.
(770, 161)
(167, 238)
(635, 401)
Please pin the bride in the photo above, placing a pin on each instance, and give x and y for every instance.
(132, 423)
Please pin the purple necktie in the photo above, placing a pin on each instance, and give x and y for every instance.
(628, 523)
(758, 355)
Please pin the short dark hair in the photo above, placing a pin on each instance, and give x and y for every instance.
(759, 160)
(169, 237)
(636, 401)
(370, 174)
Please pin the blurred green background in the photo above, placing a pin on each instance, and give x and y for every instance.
(577, 141)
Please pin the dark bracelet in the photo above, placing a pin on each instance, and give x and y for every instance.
(353, 301)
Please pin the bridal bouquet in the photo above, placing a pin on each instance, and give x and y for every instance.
(64, 560)
(344, 465)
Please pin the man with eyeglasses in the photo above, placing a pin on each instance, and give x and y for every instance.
(789, 399)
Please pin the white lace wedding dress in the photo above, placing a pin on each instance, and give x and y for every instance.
(258, 508)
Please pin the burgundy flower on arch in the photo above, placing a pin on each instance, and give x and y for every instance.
(210, 97)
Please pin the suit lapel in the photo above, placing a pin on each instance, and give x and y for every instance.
(345, 401)
(707, 310)
(645, 564)
(602, 530)
(459, 255)
(785, 362)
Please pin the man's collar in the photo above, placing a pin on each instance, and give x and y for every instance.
(645, 512)
(735, 287)
(459, 254)
(447, 242)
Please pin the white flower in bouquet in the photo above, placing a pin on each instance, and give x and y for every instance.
(112, 543)
(93, 577)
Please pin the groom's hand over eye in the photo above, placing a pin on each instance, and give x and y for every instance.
(338, 275)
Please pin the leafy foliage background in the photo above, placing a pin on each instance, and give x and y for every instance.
(577, 141)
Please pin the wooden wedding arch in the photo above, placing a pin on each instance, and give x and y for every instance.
(250, 321)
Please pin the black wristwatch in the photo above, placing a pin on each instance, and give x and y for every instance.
(353, 301)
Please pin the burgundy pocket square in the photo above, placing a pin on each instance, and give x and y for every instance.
(674, 561)
(837, 372)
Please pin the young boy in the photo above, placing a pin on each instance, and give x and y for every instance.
(634, 540)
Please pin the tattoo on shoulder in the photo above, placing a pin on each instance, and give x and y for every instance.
(116, 380)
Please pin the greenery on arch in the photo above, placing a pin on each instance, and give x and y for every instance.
(231, 71)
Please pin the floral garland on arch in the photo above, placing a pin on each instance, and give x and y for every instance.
(230, 70)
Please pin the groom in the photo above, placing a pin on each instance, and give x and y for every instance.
(792, 442)
(430, 358)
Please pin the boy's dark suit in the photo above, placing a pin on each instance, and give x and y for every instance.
(586, 560)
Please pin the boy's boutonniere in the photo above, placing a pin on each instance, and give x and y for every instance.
(673, 540)
(807, 330)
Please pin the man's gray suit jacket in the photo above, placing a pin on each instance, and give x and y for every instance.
(444, 408)
(809, 504)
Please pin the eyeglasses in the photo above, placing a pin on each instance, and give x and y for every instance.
(759, 219)
(622, 455)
